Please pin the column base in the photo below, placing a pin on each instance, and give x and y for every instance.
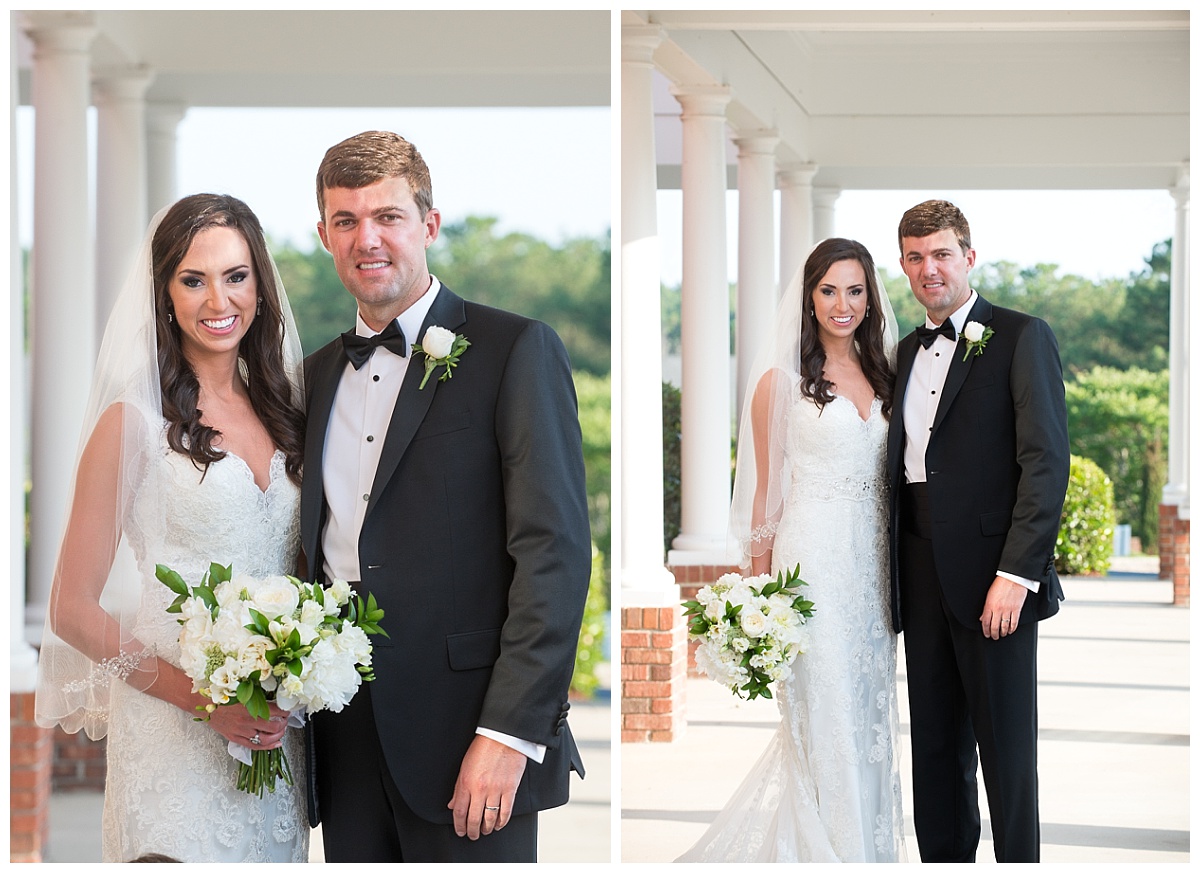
(1174, 552)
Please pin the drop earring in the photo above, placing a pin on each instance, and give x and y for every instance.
(258, 311)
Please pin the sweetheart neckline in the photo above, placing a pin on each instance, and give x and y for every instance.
(876, 407)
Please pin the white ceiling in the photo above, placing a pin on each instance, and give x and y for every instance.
(948, 100)
(354, 58)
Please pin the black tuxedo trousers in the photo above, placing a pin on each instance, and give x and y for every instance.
(967, 691)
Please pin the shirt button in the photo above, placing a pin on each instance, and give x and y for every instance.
(375, 378)
(366, 497)
(933, 392)
(370, 438)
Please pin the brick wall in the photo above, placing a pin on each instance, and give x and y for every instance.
(1175, 552)
(30, 750)
(653, 673)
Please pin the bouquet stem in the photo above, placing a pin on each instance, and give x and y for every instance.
(265, 767)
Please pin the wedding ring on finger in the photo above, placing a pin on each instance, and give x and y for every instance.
(256, 739)
(492, 808)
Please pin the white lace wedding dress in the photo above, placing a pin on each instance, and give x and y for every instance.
(171, 782)
(827, 787)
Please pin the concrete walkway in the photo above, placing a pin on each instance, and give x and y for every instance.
(579, 831)
(1114, 751)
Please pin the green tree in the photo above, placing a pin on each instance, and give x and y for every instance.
(1119, 419)
(566, 286)
(322, 306)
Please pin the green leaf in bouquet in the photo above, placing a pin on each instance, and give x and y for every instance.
(172, 580)
(259, 623)
(218, 574)
(731, 611)
(251, 696)
(207, 596)
(295, 667)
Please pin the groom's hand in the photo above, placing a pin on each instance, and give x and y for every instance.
(486, 785)
(1002, 608)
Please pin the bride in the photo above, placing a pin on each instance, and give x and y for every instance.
(811, 490)
(191, 453)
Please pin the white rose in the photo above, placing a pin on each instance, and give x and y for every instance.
(438, 342)
(753, 622)
(340, 590)
(973, 331)
(276, 596)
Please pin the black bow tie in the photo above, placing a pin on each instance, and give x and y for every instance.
(928, 334)
(360, 348)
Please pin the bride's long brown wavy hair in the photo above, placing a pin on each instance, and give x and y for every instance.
(261, 349)
(868, 336)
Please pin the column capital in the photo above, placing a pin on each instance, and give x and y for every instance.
(793, 175)
(638, 42)
(757, 142)
(1182, 189)
(60, 31)
(164, 117)
(700, 101)
(826, 196)
(121, 84)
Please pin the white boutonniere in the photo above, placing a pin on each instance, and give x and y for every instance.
(976, 336)
(441, 347)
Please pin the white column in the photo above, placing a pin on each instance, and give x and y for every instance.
(162, 129)
(824, 200)
(756, 297)
(1179, 449)
(120, 181)
(62, 304)
(795, 218)
(637, 390)
(704, 414)
(22, 659)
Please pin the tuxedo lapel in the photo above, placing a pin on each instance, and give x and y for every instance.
(906, 353)
(324, 380)
(959, 368)
(413, 402)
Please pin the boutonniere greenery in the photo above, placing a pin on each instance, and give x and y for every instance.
(976, 336)
(441, 347)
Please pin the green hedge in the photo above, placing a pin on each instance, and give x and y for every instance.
(1085, 536)
(590, 651)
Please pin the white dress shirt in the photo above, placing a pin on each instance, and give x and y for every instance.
(921, 399)
(358, 423)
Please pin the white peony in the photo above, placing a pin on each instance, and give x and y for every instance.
(437, 342)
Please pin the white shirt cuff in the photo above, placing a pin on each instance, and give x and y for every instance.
(1021, 580)
(535, 752)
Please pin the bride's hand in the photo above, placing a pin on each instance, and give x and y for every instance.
(237, 725)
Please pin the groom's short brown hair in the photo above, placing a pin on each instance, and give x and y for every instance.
(932, 216)
(367, 158)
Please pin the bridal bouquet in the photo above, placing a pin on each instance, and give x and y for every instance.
(750, 629)
(250, 641)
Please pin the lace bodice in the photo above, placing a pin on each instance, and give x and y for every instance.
(220, 515)
(839, 454)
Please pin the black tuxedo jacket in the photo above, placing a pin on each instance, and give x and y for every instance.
(997, 464)
(476, 545)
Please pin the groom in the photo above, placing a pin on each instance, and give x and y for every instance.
(978, 461)
(460, 504)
